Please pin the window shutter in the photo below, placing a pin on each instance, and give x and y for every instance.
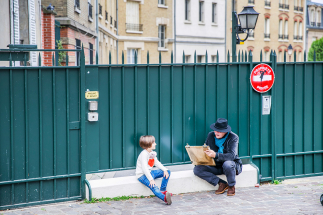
(32, 31)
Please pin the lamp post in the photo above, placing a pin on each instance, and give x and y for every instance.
(248, 19)
(290, 51)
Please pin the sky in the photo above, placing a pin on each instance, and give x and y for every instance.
(318, 1)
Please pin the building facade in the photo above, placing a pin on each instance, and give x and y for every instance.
(314, 28)
(145, 26)
(200, 27)
(280, 24)
(107, 24)
(21, 24)
(77, 23)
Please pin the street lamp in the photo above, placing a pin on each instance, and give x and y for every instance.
(290, 51)
(248, 19)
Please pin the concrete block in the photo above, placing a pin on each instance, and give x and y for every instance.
(180, 182)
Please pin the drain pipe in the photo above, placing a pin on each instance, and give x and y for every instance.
(175, 31)
(97, 29)
(117, 32)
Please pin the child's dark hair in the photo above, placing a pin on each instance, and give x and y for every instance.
(146, 141)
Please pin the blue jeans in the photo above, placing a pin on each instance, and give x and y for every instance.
(209, 173)
(156, 174)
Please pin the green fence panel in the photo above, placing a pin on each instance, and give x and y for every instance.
(39, 150)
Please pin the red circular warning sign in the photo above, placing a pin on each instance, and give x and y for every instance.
(262, 78)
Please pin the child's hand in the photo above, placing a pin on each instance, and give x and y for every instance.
(152, 183)
(166, 175)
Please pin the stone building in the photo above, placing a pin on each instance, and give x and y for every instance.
(145, 26)
(314, 28)
(77, 23)
(280, 24)
(107, 16)
(200, 27)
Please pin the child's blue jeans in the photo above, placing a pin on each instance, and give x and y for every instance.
(156, 174)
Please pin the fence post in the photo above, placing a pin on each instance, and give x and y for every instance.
(239, 56)
(228, 58)
(295, 56)
(82, 119)
(183, 57)
(273, 122)
(304, 56)
(314, 56)
(217, 56)
(260, 55)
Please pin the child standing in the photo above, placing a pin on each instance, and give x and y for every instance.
(145, 162)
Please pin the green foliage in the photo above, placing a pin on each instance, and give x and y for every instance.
(277, 182)
(318, 47)
(43, 209)
(61, 55)
(119, 198)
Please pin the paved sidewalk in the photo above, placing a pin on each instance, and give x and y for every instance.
(295, 196)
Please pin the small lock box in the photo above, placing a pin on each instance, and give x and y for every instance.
(92, 116)
(93, 105)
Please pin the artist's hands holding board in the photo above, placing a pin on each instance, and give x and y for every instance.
(210, 153)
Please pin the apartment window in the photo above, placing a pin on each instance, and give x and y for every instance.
(77, 4)
(267, 28)
(214, 20)
(187, 58)
(286, 29)
(295, 31)
(200, 58)
(300, 31)
(251, 33)
(312, 18)
(132, 17)
(266, 56)
(161, 36)
(91, 52)
(106, 16)
(188, 10)
(279, 57)
(111, 20)
(213, 58)
(314, 39)
(162, 2)
(280, 33)
(100, 9)
(78, 54)
(131, 55)
(201, 11)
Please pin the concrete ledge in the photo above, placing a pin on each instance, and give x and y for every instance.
(180, 182)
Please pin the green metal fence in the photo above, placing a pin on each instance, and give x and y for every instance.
(47, 145)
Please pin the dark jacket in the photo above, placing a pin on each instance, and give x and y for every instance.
(230, 150)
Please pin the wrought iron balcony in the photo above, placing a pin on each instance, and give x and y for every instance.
(300, 9)
(134, 27)
(296, 8)
(281, 6)
(295, 37)
(100, 9)
(90, 11)
(287, 6)
(286, 37)
(251, 1)
(111, 20)
(300, 37)
(115, 23)
(267, 3)
(280, 36)
(77, 4)
(106, 16)
(267, 36)
(313, 24)
(318, 24)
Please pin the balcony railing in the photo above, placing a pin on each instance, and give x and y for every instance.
(313, 24)
(90, 11)
(251, 1)
(280, 36)
(106, 16)
(285, 37)
(300, 37)
(296, 8)
(111, 20)
(77, 4)
(318, 24)
(100, 9)
(115, 23)
(267, 3)
(267, 36)
(300, 9)
(295, 37)
(134, 27)
(281, 6)
(287, 6)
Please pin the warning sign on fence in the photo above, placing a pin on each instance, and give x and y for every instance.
(262, 78)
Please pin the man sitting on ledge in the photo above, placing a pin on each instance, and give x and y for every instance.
(223, 145)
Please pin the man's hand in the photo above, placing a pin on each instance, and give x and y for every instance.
(166, 175)
(152, 183)
(210, 153)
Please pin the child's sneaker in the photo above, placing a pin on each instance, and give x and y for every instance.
(168, 198)
(164, 192)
